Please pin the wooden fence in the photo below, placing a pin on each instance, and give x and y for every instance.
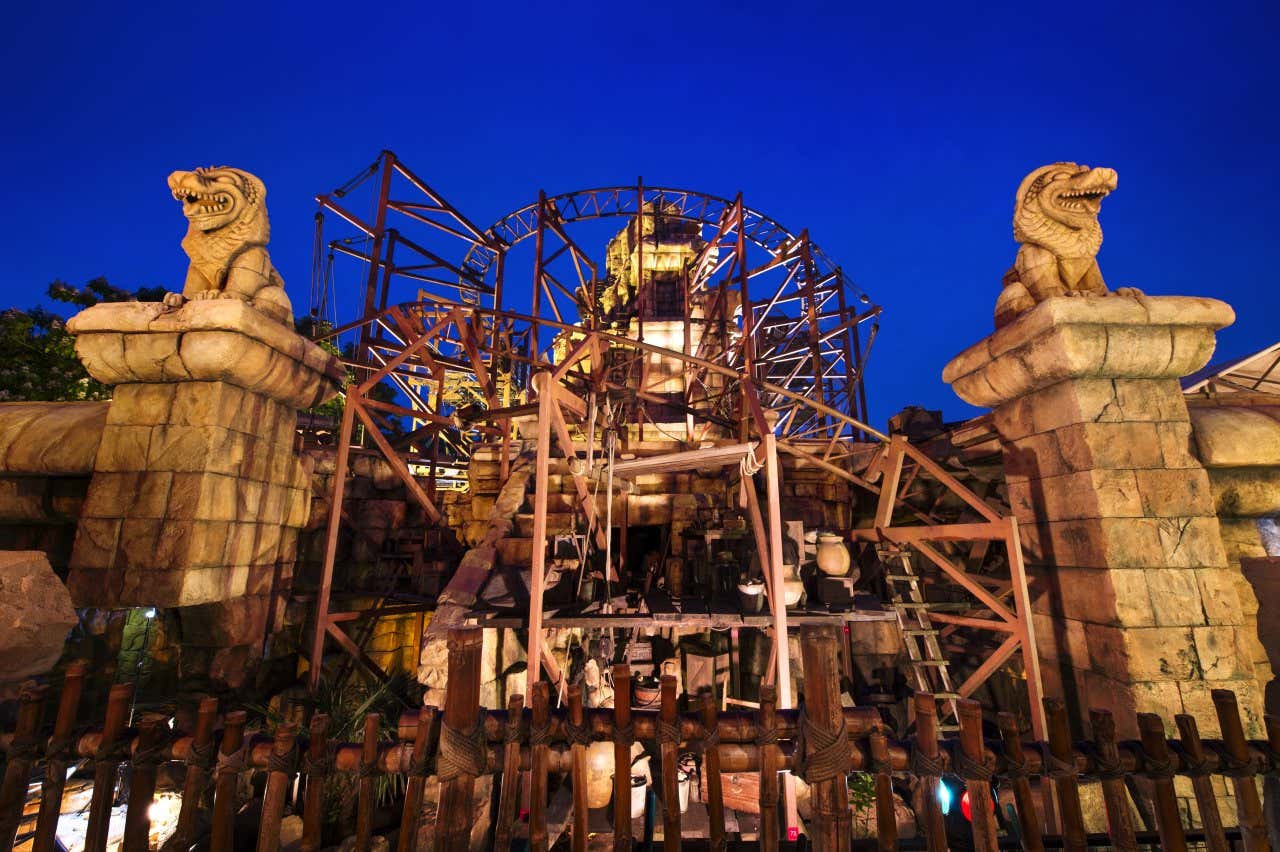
(821, 743)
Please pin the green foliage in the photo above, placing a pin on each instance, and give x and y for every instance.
(346, 703)
(39, 354)
(862, 790)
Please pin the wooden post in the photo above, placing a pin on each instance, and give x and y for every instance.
(317, 770)
(886, 818)
(456, 769)
(1073, 835)
(1114, 794)
(539, 755)
(827, 755)
(106, 764)
(1253, 830)
(783, 652)
(227, 776)
(1159, 768)
(578, 768)
(669, 751)
(332, 528)
(1214, 837)
(711, 765)
(1024, 799)
(279, 777)
(509, 792)
(538, 560)
(770, 766)
(142, 784)
(424, 743)
(978, 787)
(622, 740)
(199, 765)
(61, 748)
(22, 753)
(368, 771)
(935, 829)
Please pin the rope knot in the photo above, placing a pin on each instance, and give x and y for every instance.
(823, 754)
(462, 752)
(668, 732)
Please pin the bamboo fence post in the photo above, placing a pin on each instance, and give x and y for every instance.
(199, 763)
(1159, 768)
(1241, 771)
(927, 767)
(1063, 771)
(578, 768)
(886, 818)
(622, 739)
(317, 769)
(22, 753)
(827, 757)
(230, 764)
(508, 793)
(462, 748)
(1114, 793)
(770, 766)
(424, 741)
(144, 762)
(669, 750)
(1206, 802)
(106, 765)
(1024, 799)
(59, 754)
(711, 765)
(368, 775)
(977, 775)
(281, 767)
(539, 746)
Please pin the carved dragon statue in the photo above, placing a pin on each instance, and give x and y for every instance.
(1055, 218)
(226, 241)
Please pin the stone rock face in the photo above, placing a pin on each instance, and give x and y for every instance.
(197, 493)
(1135, 607)
(36, 610)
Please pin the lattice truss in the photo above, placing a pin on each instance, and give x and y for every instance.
(769, 348)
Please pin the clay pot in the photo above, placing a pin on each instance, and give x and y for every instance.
(599, 774)
(645, 690)
(833, 556)
(751, 596)
(792, 586)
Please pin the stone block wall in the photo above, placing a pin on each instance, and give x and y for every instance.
(197, 492)
(1134, 606)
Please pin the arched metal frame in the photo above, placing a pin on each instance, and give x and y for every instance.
(458, 328)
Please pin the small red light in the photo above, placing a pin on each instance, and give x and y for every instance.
(964, 806)
(793, 832)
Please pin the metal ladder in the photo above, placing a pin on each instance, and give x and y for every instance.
(929, 667)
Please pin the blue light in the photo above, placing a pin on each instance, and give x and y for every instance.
(945, 796)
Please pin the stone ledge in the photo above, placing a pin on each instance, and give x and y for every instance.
(1111, 337)
(210, 340)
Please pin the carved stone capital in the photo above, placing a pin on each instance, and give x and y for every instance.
(222, 340)
(1089, 337)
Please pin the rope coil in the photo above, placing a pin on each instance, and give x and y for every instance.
(201, 756)
(1153, 767)
(463, 752)
(232, 762)
(923, 765)
(969, 768)
(822, 754)
(539, 736)
(116, 753)
(668, 732)
(1231, 766)
(626, 734)
(1055, 767)
(1190, 767)
(319, 767)
(420, 765)
(149, 757)
(286, 763)
(577, 734)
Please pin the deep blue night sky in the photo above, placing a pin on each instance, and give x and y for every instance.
(897, 139)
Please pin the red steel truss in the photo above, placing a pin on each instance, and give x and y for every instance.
(771, 361)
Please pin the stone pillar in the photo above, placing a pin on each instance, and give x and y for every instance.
(197, 493)
(1134, 608)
